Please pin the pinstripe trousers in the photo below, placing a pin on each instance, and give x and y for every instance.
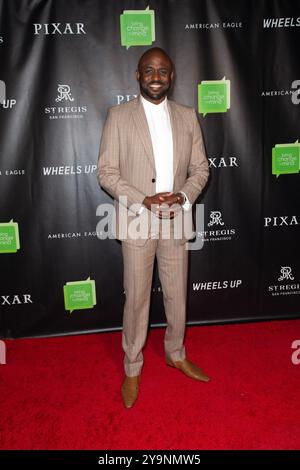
(138, 261)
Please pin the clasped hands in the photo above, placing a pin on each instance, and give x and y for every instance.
(160, 204)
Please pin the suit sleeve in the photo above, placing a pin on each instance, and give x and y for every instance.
(198, 171)
(108, 171)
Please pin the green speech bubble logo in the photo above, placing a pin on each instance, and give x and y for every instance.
(9, 237)
(79, 295)
(137, 27)
(214, 96)
(286, 159)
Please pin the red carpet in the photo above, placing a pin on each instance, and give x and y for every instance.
(63, 393)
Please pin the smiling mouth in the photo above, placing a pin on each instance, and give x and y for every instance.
(155, 87)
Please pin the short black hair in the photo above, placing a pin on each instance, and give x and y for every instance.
(155, 49)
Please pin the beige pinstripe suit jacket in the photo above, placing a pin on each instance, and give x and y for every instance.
(126, 165)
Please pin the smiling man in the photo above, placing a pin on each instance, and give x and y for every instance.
(152, 160)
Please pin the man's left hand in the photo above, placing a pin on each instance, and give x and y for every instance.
(170, 200)
(174, 198)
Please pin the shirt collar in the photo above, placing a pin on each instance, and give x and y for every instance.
(155, 107)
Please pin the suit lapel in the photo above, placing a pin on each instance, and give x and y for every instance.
(176, 133)
(142, 128)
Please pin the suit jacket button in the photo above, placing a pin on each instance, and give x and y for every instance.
(153, 180)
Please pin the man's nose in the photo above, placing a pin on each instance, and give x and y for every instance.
(155, 75)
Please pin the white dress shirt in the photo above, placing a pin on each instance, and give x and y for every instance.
(162, 142)
(159, 124)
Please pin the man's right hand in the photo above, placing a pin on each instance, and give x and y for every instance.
(153, 202)
(159, 204)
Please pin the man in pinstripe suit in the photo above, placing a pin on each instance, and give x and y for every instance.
(152, 161)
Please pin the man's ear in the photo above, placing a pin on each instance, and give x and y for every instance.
(137, 75)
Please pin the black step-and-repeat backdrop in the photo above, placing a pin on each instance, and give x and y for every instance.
(62, 64)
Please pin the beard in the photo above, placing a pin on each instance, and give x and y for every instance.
(153, 94)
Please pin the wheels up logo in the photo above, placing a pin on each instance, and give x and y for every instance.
(286, 159)
(217, 285)
(79, 295)
(214, 96)
(9, 237)
(137, 27)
